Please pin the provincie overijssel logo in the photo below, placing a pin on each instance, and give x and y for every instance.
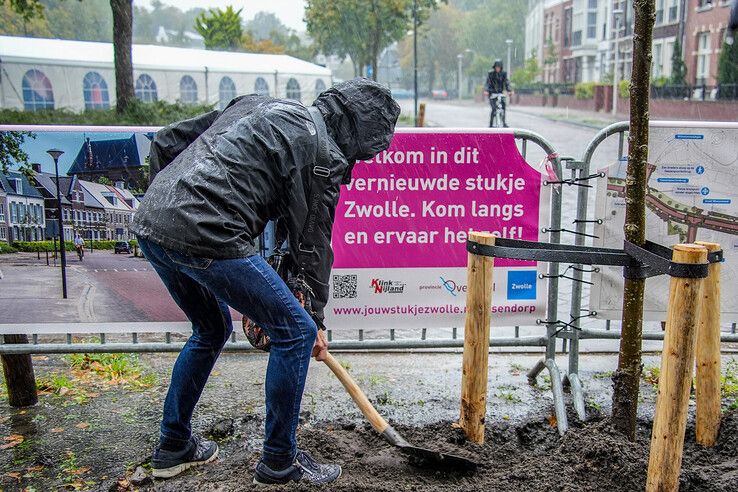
(387, 286)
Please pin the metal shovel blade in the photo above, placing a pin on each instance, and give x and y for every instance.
(428, 458)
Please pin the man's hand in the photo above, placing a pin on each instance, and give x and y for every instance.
(320, 349)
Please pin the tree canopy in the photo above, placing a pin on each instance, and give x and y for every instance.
(362, 30)
(220, 28)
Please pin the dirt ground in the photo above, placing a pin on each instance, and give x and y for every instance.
(97, 434)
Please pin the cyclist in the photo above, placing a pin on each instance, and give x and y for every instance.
(79, 245)
(497, 82)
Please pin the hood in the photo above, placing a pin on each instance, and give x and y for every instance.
(360, 115)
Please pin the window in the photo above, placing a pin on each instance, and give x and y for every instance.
(567, 27)
(658, 60)
(37, 91)
(673, 10)
(188, 90)
(2, 212)
(592, 4)
(703, 57)
(592, 25)
(3, 233)
(95, 90)
(319, 87)
(293, 89)
(226, 91)
(261, 87)
(704, 4)
(146, 88)
(660, 11)
(576, 39)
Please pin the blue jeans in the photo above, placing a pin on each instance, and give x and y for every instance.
(204, 288)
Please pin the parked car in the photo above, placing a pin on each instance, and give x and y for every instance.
(122, 247)
(439, 94)
(402, 94)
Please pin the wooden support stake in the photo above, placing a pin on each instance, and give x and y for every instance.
(421, 115)
(677, 360)
(19, 376)
(476, 341)
(707, 388)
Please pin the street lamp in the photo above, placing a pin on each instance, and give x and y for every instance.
(509, 57)
(617, 15)
(55, 154)
(460, 58)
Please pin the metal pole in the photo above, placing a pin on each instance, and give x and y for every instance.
(616, 63)
(415, 60)
(61, 231)
(509, 57)
(460, 58)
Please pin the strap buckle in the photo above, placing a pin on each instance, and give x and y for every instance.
(310, 251)
(321, 171)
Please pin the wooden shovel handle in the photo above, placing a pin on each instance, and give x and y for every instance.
(371, 414)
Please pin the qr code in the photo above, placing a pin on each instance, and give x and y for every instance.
(344, 286)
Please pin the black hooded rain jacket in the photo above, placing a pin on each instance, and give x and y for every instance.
(217, 179)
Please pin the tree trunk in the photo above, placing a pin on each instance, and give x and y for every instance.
(19, 377)
(627, 378)
(122, 41)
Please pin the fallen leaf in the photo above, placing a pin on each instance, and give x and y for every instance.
(63, 391)
(15, 475)
(23, 412)
(12, 441)
(552, 420)
(82, 425)
(57, 430)
(37, 468)
(39, 357)
(215, 373)
(92, 395)
(80, 471)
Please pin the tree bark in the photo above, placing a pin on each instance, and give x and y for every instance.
(122, 45)
(627, 377)
(19, 377)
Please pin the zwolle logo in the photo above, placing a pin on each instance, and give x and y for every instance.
(452, 287)
(387, 286)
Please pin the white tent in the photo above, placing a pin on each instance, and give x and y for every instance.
(40, 73)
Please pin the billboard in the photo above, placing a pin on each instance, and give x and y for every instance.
(692, 195)
(399, 235)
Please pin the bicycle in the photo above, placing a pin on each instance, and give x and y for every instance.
(495, 100)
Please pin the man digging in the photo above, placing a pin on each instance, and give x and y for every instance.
(218, 179)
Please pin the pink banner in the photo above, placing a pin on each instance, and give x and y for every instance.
(413, 205)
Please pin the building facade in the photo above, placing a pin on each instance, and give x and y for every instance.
(117, 213)
(704, 38)
(46, 185)
(593, 39)
(118, 159)
(24, 208)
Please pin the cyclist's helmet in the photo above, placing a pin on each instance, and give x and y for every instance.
(498, 63)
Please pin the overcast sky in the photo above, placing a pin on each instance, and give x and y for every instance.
(290, 12)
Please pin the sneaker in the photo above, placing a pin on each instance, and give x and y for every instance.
(303, 469)
(167, 464)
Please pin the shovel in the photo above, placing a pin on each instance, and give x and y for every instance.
(426, 458)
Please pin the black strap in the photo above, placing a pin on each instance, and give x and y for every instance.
(639, 262)
(320, 181)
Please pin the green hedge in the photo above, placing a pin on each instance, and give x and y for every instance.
(6, 248)
(33, 246)
(584, 90)
(138, 113)
(624, 89)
